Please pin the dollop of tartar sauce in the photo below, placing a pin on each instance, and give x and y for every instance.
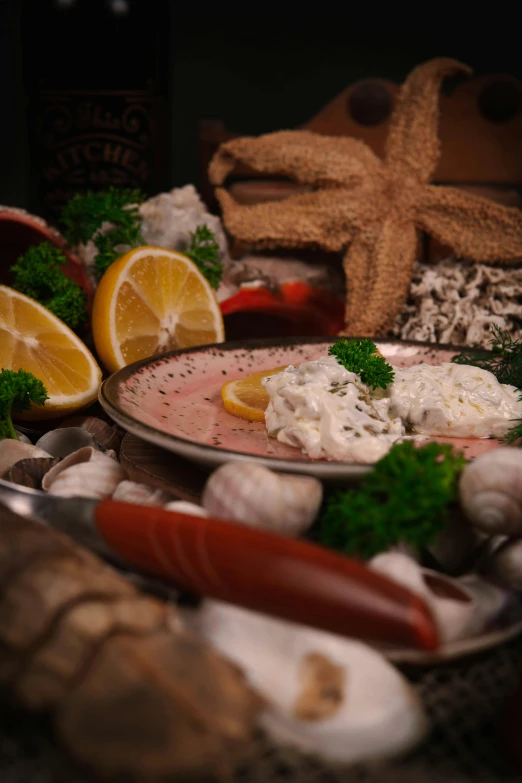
(329, 413)
(456, 400)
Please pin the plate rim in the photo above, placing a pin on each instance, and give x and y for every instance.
(202, 453)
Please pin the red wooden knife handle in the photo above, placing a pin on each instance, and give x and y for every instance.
(287, 578)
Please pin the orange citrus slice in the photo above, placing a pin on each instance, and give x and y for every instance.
(152, 300)
(247, 397)
(35, 340)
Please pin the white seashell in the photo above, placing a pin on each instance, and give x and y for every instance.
(256, 496)
(457, 546)
(462, 608)
(491, 491)
(12, 451)
(141, 494)
(186, 507)
(325, 694)
(65, 440)
(86, 473)
(22, 436)
(504, 564)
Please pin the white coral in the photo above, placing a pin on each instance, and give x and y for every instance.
(458, 302)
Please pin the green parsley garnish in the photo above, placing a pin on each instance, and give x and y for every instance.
(18, 389)
(360, 356)
(38, 274)
(406, 498)
(204, 252)
(85, 214)
(504, 360)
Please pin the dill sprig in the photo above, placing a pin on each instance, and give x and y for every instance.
(504, 360)
(84, 215)
(406, 498)
(361, 356)
(204, 252)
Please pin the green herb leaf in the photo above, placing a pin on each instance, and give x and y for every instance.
(38, 274)
(86, 213)
(360, 356)
(18, 389)
(204, 252)
(406, 498)
(505, 362)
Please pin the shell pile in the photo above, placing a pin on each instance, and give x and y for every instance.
(325, 694)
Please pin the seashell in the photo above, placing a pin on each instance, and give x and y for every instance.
(504, 564)
(12, 451)
(22, 436)
(30, 472)
(65, 440)
(325, 694)
(462, 607)
(186, 507)
(259, 497)
(491, 491)
(457, 546)
(141, 494)
(85, 473)
(107, 436)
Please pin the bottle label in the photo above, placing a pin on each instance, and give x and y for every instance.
(92, 140)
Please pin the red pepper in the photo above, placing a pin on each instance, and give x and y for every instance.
(299, 308)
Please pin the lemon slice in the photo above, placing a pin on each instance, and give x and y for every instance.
(247, 397)
(35, 340)
(152, 300)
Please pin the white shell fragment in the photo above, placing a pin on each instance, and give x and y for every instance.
(325, 694)
(462, 608)
(86, 473)
(186, 507)
(65, 440)
(259, 497)
(491, 491)
(141, 494)
(12, 451)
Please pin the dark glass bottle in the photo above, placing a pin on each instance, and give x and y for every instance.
(95, 74)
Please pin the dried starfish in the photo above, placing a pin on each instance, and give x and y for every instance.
(369, 209)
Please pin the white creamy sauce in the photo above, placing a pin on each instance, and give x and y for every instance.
(327, 412)
(456, 400)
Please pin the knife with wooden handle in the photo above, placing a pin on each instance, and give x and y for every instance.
(287, 578)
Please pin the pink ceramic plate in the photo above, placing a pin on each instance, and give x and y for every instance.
(174, 401)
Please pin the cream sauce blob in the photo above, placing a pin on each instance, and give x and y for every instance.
(325, 410)
(455, 400)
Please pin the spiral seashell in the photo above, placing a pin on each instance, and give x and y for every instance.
(12, 451)
(141, 494)
(86, 473)
(258, 497)
(491, 492)
(505, 564)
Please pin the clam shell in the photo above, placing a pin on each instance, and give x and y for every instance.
(259, 497)
(490, 491)
(86, 473)
(12, 451)
(65, 440)
(325, 694)
(106, 435)
(141, 494)
(186, 507)
(30, 472)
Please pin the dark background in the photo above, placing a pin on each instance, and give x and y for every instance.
(261, 67)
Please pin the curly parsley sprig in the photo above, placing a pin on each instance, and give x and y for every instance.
(504, 360)
(361, 356)
(406, 498)
(18, 389)
(204, 252)
(84, 215)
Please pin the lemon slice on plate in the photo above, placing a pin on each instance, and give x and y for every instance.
(35, 340)
(247, 397)
(152, 300)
